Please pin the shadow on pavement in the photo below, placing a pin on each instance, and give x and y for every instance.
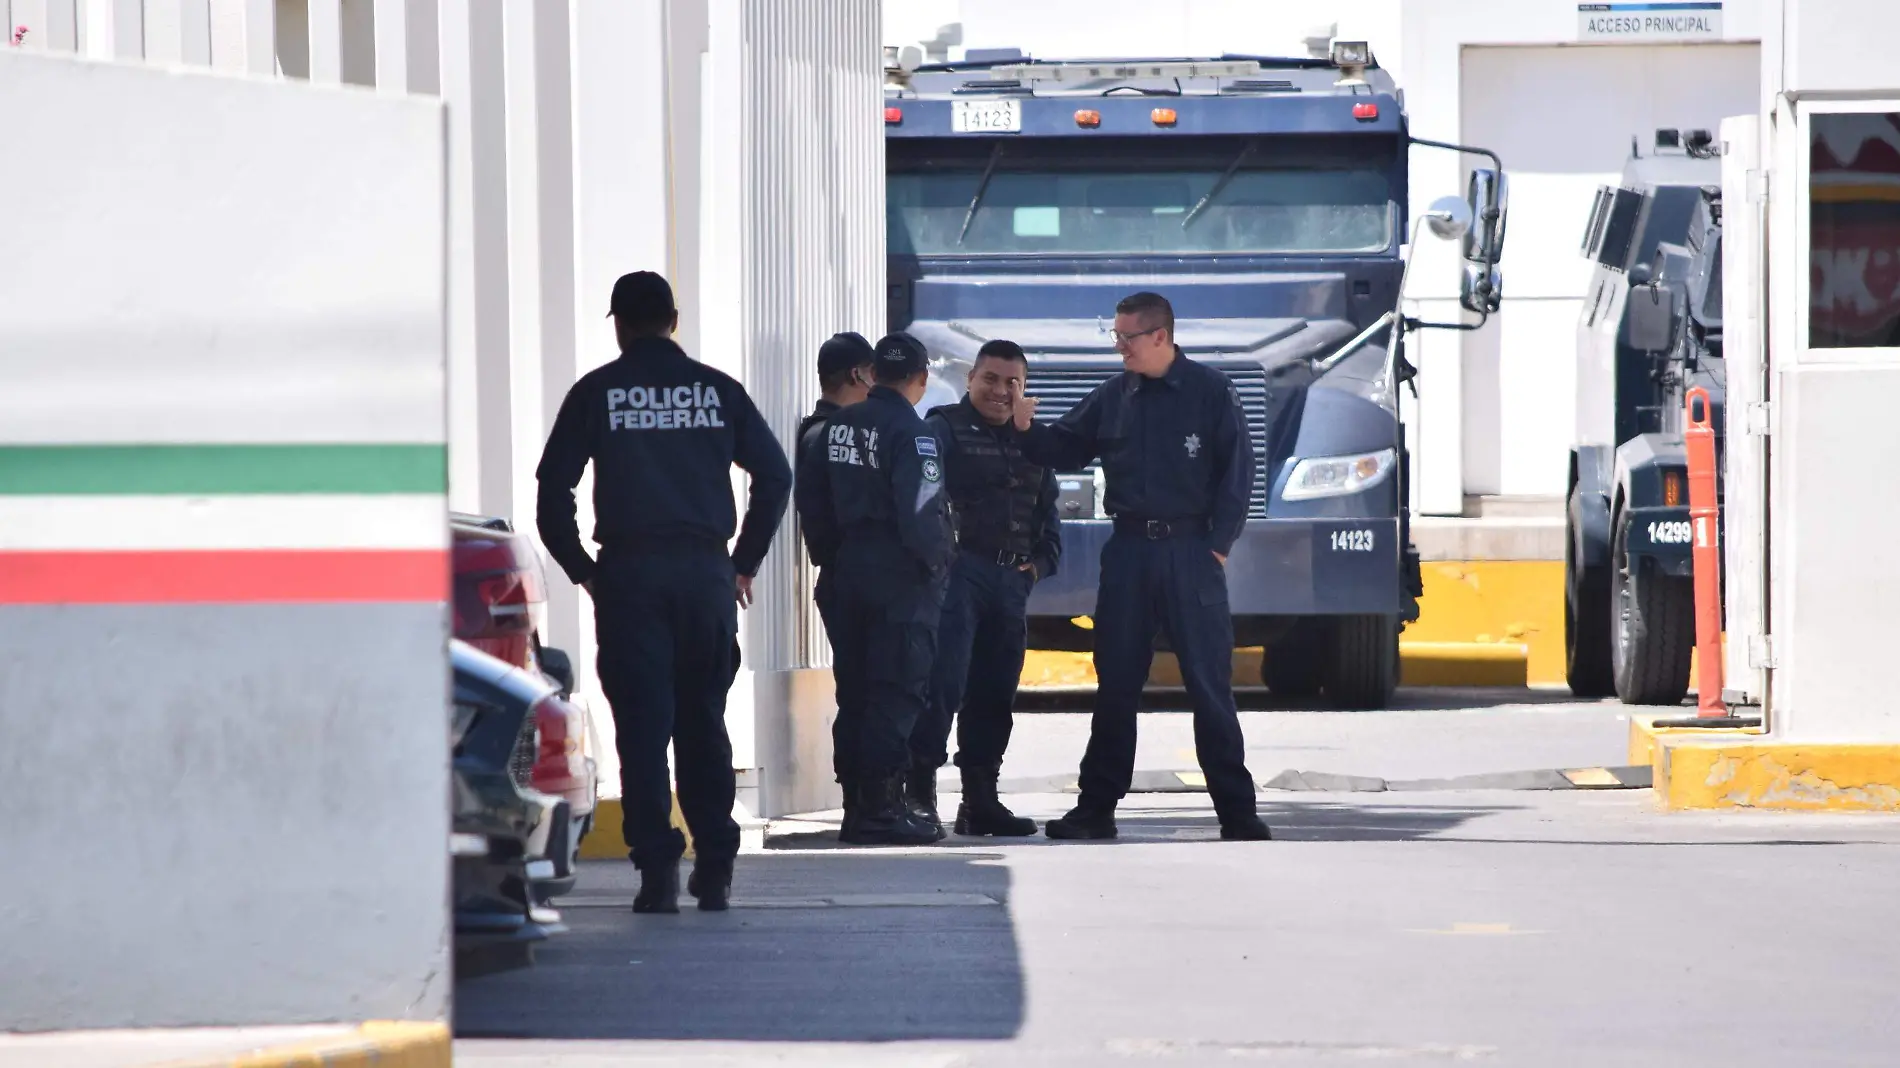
(1258, 699)
(838, 947)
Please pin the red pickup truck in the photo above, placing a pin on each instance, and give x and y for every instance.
(500, 602)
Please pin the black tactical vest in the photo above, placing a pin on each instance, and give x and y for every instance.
(993, 490)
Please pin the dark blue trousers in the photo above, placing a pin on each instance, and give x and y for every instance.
(668, 626)
(1176, 584)
(980, 646)
(882, 622)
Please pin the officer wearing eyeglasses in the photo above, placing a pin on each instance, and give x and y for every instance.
(1179, 468)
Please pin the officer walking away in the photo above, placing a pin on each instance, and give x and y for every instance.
(1009, 537)
(1179, 468)
(883, 478)
(844, 377)
(663, 432)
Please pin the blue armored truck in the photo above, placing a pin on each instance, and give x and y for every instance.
(1650, 330)
(1266, 198)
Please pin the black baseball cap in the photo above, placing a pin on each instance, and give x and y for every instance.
(842, 352)
(642, 296)
(899, 355)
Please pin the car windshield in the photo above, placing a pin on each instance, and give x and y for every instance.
(1055, 197)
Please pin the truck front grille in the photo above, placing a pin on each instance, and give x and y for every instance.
(1062, 387)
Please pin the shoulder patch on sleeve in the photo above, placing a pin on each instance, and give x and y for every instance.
(932, 473)
(926, 446)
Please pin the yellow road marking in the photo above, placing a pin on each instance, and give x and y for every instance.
(1477, 929)
(1591, 777)
(1191, 778)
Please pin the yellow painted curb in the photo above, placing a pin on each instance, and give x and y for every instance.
(604, 841)
(1464, 664)
(1728, 773)
(1420, 664)
(1644, 732)
(377, 1044)
(1481, 623)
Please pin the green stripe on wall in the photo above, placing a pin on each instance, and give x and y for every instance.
(212, 469)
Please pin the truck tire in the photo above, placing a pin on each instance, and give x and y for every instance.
(1652, 628)
(1587, 666)
(1290, 667)
(1361, 668)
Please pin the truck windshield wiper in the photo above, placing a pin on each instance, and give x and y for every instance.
(981, 186)
(1219, 184)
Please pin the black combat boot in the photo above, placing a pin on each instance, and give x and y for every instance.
(1245, 827)
(711, 883)
(1087, 820)
(983, 813)
(659, 888)
(920, 797)
(884, 819)
(849, 825)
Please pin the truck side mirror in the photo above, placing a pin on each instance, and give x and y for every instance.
(1482, 289)
(1487, 196)
(1652, 318)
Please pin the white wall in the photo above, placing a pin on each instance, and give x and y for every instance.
(1493, 415)
(207, 822)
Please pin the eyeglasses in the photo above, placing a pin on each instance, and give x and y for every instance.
(1122, 339)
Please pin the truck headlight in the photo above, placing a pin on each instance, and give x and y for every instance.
(1337, 476)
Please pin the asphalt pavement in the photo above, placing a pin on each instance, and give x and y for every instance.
(1509, 927)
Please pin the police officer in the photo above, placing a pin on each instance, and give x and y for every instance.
(844, 376)
(1179, 465)
(1008, 538)
(663, 432)
(883, 481)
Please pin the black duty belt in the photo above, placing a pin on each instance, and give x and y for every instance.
(1158, 529)
(1001, 557)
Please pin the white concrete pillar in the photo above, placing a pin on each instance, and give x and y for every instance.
(163, 31)
(52, 25)
(194, 32)
(472, 85)
(622, 223)
(392, 45)
(326, 41)
(115, 29)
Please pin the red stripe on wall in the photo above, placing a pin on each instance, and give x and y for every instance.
(225, 576)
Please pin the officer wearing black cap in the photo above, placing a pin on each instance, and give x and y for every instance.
(1179, 465)
(845, 369)
(1009, 537)
(663, 432)
(881, 492)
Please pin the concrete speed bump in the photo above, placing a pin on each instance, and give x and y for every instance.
(381, 1044)
(1756, 773)
(1298, 781)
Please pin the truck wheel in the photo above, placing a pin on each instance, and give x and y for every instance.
(1290, 667)
(1587, 665)
(1653, 630)
(1361, 669)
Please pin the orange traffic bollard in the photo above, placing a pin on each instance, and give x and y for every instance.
(1699, 435)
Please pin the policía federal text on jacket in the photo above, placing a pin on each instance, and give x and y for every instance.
(664, 432)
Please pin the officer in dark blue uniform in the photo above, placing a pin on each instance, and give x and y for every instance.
(1009, 537)
(663, 432)
(883, 480)
(845, 369)
(1179, 466)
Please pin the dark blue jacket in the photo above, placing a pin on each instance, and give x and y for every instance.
(663, 431)
(1174, 447)
(1000, 501)
(882, 480)
(808, 459)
